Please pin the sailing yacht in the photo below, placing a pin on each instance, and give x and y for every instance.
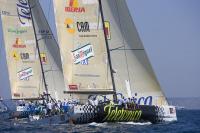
(102, 54)
(30, 60)
(95, 55)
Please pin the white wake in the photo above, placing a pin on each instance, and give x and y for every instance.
(136, 123)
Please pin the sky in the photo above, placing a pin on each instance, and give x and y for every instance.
(170, 32)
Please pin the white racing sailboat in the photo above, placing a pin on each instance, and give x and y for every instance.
(30, 61)
(102, 54)
(101, 57)
(134, 72)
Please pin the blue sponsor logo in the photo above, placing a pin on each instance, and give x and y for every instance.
(23, 11)
(140, 100)
(85, 62)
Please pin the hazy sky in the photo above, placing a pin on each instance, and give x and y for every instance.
(170, 32)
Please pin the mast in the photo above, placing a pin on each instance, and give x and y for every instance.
(108, 52)
(37, 46)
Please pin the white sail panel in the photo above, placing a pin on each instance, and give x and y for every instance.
(129, 58)
(49, 52)
(82, 44)
(20, 47)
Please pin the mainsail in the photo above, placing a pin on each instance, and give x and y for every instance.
(83, 48)
(24, 73)
(49, 52)
(133, 71)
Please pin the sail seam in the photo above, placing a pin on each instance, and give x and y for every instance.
(124, 47)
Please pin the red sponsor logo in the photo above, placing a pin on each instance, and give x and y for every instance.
(73, 87)
(18, 44)
(16, 95)
(74, 7)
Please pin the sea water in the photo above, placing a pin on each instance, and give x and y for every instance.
(188, 122)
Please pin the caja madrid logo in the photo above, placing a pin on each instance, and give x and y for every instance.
(81, 26)
(69, 23)
(73, 6)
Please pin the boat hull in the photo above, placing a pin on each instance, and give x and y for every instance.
(122, 113)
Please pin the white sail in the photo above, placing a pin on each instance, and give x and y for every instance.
(129, 58)
(49, 52)
(24, 73)
(83, 48)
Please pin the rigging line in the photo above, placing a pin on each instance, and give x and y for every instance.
(117, 48)
(108, 52)
(45, 51)
(37, 46)
(120, 24)
(106, 60)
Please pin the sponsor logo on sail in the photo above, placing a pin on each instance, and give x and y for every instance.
(17, 31)
(23, 12)
(43, 58)
(6, 13)
(83, 53)
(25, 74)
(16, 94)
(107, 29)
(18, 44)
(83, 26)
(73, 6)
(24, 56)
(69, 23)
(28, 57)
(84, 62)
(44, 31)
(15, 56)
(73, 87)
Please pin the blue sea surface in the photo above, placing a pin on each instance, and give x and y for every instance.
(188, 122)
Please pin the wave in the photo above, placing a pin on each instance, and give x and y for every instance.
(136, 123)
(98, 124)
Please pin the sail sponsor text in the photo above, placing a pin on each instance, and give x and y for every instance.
(24, 13)
(83, 53)
(73, 6)
(82, 27)
(25, 57)
(25, 74)
(116, 113)
(18, 44)
(17, 31)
